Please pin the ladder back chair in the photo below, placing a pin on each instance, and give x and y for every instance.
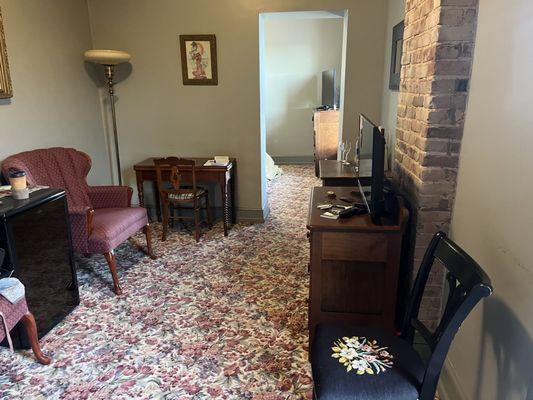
(371, 364)
(181, 194)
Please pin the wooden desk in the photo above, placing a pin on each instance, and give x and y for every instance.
(335, 173)
(354, 265)
(224, 176)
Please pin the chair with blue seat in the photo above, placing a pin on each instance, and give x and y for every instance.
(364, 363)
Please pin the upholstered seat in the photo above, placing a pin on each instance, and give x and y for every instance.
(113, 226)
(399, 382)
(186, 196)
(101, 217)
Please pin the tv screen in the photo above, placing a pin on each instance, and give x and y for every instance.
(371, 157)
(328, 88)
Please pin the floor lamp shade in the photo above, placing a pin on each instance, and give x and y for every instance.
(109, 59)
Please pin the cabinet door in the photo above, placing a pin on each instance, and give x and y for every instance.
(44, 263)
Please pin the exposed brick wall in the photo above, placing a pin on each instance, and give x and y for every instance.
(436, 63)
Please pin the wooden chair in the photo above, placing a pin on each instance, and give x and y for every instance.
(371, 364)
(179, 194)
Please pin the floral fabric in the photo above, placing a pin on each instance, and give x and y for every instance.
(362, 355)
(222, 319)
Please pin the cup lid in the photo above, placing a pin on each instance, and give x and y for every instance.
(15, 173)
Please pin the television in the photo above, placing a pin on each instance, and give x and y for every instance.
(370, 151)
(329, 83)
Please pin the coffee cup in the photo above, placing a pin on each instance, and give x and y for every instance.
(17, 179)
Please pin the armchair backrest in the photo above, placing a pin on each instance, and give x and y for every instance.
(57, 167)
(468, 284)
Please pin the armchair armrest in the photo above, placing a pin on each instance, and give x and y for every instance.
(110, 196)
(81, 219)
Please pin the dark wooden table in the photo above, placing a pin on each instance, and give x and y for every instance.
(336, 173)
(354, 266)
(224, 176)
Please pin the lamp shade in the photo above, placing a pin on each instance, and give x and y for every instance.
(107, 57)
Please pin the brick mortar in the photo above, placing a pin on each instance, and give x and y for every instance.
(434, 81)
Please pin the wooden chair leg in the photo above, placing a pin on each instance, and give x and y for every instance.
(165, 222)
(112, 262)
(208, 209)
(147, 230)
(196, 222)
(31, 330)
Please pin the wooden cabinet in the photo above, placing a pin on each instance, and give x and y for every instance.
(354, 266)
(326, 135)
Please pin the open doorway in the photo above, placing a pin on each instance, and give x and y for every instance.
(302, 66)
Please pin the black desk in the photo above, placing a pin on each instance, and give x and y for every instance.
(36, 236)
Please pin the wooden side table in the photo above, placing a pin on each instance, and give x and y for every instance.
(354, 267)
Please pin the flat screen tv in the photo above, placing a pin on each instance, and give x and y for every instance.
(371, 155)
(329, 88)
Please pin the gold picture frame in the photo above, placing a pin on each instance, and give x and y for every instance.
(6, 88)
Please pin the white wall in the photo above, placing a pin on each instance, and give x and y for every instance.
(296, 53)
(492, 354)
(158, 115)
(389, 105)
(55, 101)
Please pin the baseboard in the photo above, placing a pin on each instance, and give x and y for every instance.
(293, 159)
(252, 215)
(449, 388)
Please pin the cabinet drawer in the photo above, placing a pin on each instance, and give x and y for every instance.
(354, 246)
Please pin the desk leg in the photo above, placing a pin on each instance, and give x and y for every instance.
(140, 187)
(225, 216)
(232, 196)
(157, 201)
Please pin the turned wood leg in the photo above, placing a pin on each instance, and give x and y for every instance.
(31, 330)
(165, 222)
(196, 222)
(208, 209)
(225, 216)
(112, 262)
(147, 230)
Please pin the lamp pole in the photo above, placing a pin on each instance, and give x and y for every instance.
(109, 70)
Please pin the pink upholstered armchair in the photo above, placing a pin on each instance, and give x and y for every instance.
(101, 217)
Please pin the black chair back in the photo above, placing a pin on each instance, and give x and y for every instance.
(468, 284)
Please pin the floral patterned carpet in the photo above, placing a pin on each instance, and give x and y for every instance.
(225, 318)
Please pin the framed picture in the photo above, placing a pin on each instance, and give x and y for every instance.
(199, 59)
(396, 56)
(6, 90)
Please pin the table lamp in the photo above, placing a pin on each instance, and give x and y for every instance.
(109, 59)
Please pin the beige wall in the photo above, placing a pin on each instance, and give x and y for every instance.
(55, 102)
(389, 105)
(159, 116)
(297, 50)
(492, 354)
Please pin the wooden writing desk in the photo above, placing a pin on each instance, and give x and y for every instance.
(224, 176)
(354, 265)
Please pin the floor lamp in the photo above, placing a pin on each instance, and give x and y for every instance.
(109, 59)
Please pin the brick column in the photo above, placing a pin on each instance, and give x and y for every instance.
(436, 63)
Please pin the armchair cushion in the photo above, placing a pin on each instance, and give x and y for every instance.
(332, 380)
(79, 228)
(12, 313)
(110, 196)
(112, 226)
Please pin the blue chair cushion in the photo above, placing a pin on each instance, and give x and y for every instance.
(343, 373)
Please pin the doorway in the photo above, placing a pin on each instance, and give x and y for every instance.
(297, 49)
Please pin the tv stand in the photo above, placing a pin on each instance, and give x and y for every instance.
(354, 268)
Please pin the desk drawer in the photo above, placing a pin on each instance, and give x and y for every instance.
(354, 246)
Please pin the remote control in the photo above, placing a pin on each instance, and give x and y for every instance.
(351, 211)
